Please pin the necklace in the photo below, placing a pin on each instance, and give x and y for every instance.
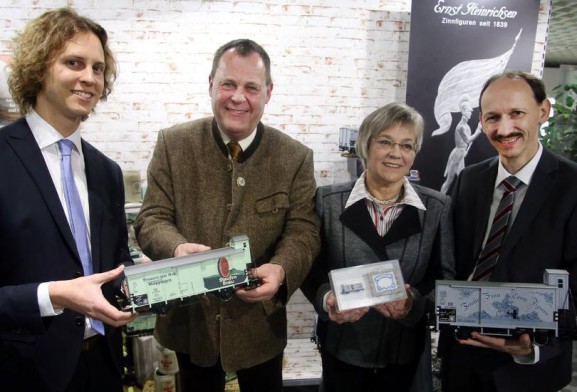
(386, 202)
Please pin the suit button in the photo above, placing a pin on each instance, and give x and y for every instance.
(240, 181)
(229, 167)
(229, 207)
(79, 321)
(218, 317)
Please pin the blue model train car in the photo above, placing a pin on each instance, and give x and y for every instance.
(155, 286)
(507, 309)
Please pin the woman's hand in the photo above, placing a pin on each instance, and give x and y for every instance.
(397, 310)
(346, 316)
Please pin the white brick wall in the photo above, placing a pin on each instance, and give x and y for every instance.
(301, 316)
(333, 62)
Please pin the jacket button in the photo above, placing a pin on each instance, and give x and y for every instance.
(79, 321)
(229, 207)
(240, 181)
(218, 317)
(229, 167)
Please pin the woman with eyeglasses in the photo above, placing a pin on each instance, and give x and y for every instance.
(381, 216)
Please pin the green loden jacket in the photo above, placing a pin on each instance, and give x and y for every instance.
(197, 194)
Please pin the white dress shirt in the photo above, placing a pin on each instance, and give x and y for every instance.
(244, 143)
(47, 138)
(524, 175)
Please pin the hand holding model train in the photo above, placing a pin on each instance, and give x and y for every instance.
(84, 296)
(270, 277)
(517, 347)
(189, 248)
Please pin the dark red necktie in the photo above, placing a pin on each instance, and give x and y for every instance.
(501, 222)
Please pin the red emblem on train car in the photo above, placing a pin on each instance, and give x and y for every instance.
(223, 267)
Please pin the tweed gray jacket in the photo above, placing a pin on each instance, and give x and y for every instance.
(197, 194)
(422, 241)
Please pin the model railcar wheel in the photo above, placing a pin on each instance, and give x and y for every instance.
(541, 338)
(160, 309)
(226, 294)
(462, 333)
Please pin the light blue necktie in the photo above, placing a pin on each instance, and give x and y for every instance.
(77, 221)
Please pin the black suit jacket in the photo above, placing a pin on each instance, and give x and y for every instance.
(36, 245)
(543, 235)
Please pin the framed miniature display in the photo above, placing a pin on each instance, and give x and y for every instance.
(367, 285)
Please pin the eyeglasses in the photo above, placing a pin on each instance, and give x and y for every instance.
(387, 145)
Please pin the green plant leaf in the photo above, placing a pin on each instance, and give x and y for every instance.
(561, 133)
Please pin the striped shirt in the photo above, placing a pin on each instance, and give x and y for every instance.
(383, 218)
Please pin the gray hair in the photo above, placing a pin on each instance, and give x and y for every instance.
(384, 118)
(244, 48)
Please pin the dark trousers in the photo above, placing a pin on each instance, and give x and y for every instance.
(95, 371)
(264, 377)
(469, 369)
(339, 376)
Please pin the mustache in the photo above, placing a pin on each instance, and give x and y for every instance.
(508, 136)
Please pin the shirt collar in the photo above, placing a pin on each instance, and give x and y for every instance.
(525, 174)
(46, 135)
(360, 192)
(244, 143)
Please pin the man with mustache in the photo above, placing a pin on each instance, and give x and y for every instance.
(539, 234)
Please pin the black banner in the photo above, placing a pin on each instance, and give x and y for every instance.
(455, 46)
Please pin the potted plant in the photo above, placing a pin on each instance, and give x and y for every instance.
(560, 135)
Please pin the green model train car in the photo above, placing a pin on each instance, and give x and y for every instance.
(156, 286)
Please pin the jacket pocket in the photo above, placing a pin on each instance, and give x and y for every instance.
(273, 204)
(271, 306)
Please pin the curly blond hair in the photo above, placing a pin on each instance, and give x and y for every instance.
(38, 46)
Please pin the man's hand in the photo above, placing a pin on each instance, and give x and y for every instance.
(516, 347)
(397, 310)
(270, 276)
(84, 296)
(346, 316)
(189, 248)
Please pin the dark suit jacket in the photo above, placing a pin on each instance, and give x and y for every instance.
(36, 245)
(543, 235)
(422, 241)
